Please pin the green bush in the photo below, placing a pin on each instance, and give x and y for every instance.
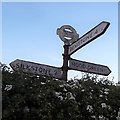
(32, 97)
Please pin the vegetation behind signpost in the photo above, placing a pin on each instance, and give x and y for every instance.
(32, 97)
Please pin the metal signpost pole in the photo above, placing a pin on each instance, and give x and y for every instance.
(65, 62)
(68, 35)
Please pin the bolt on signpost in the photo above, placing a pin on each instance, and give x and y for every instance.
(68, 35)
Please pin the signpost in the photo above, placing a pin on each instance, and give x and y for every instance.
(72, 43)
(35, 68)
(89, 36)
(89, 67)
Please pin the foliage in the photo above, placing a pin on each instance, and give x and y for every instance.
(32, 97)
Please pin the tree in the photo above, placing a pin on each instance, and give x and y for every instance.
(33, 97)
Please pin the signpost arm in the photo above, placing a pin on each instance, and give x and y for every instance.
(65, 62)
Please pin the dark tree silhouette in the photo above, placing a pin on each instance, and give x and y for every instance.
(32, 97)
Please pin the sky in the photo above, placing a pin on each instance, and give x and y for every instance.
(29, 32)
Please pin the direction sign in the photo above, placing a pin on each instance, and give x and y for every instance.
(35, 68)
(89, 36)
(89, 67)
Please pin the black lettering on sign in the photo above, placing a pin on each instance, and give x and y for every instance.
(17, 65)
(91, 35)
(76, 64)
(83, 66)
(40, 69)
(36, 68)
(49, 72)
(101, 70)
(28, 67)
(79, 42)
(44, 71)
(75, 46)
(96, 31)
(32, 68)
(94, 68)
(88, 37)
(73, 63)
(71, 48)
(97, 69)
(79, 65)
(88, 67)
(22, 66)
(55, 72)
(83, 40)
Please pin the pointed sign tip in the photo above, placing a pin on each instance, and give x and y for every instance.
(106, 22)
